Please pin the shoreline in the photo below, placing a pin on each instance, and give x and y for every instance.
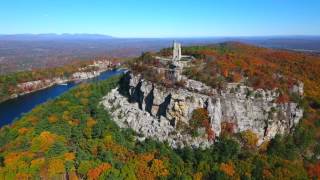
(56, 81)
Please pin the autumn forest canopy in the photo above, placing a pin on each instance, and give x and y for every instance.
(73, 136)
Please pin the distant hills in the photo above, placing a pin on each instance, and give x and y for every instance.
(66, 36)
(19, 52)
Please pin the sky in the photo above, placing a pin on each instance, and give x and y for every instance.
(162, 18)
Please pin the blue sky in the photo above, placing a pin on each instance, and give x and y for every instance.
(162, 18)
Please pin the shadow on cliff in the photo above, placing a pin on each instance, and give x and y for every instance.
(164, 106)
(124, 85)
(149, 100)
(124, 88)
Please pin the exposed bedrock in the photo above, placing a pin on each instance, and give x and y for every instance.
(154, 110)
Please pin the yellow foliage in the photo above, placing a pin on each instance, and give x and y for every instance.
(197, 176)
(74, 122)
(264, 146)
(64, 103)
(52, 118)
(47, 139)
(37, 162)
(87, 132)
(250, 138)
(91, 122)
(56, 167)
(107, 139)
(84, 101)
(69, 156)
(23, 176)
(73, 176)
(158, 168)
(66, 116)
(44, 141)
(32, 119)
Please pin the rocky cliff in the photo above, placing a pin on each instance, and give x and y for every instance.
(156, 111)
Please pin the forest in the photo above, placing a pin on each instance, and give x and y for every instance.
(73, 137)
(255, 66)
(9, 82)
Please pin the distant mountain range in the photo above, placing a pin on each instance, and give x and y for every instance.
(87, 36)
(23, 37)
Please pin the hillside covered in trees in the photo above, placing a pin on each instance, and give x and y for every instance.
(256, 66)
(13, 83)
(73, 137)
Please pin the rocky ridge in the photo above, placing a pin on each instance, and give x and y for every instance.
(155, 111)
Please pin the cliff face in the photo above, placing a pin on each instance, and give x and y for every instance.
(156, 111)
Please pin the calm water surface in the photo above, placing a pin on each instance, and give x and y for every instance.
(15, 108)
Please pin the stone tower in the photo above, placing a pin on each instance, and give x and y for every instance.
(176, 51)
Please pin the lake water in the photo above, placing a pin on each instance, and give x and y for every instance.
(15, 108)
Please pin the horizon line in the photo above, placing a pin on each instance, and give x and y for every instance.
(164, 37)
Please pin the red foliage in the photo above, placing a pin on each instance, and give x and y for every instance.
(283, 98)
(227, 127)
(263, 68)
(210, 132)
(314, 171)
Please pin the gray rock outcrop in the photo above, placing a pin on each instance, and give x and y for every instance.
(154, 111)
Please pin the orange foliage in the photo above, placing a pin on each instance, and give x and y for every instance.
(267, 174)
(23, 130)
(149, 168)
(69, 156)
(121, 153)
(227, 168)
(142, 168)
(225, 72)
(52, 118)
(236, 77)
(14, 157)
(93, 174)
(146, 157)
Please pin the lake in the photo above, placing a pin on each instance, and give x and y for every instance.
(15, 108)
